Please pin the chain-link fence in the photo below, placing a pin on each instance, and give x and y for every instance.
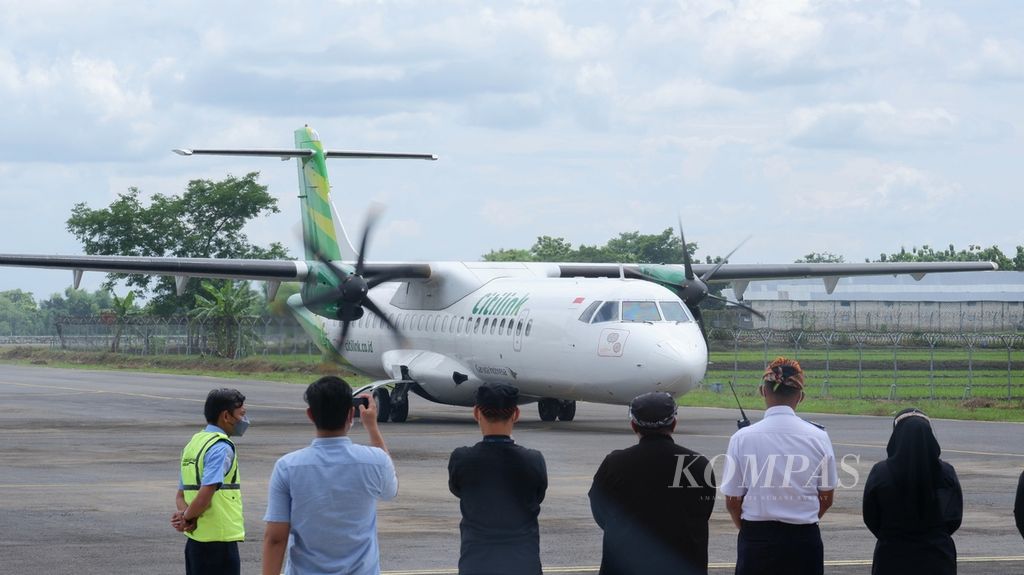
(151, 335)
(854, 364)
(876, 365)
(957, 317)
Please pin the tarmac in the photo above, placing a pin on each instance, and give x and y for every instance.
(88, 467)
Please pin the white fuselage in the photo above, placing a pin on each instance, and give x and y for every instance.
(528, 332)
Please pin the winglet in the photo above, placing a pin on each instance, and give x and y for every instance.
(182, 152)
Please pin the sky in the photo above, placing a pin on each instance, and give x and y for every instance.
(850, 127)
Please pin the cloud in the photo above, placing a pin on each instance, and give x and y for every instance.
(995, 61)
(871, 125)
(881, 188)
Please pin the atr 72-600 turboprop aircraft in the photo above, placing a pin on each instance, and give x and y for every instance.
(559, 332)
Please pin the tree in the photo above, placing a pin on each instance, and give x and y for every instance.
(513, 255)
(224, 306)
(204, 222)
(973, 253)
(549, 249)
(821, 258)
(629, 247)
(19, 314)
(122, 309)
(634, 247)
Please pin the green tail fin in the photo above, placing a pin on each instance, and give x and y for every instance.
(319, 233)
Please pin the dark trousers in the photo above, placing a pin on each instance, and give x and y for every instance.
(773, 548)
(212, 558)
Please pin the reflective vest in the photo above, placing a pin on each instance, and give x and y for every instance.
(222, 520)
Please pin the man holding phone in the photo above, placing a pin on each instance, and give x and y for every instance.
(325, 495)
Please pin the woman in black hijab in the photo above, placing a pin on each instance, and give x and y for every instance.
(913, 502)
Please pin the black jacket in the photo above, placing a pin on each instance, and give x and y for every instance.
(653, 501)
(1018, 505)
(500, 486)
(907, 543)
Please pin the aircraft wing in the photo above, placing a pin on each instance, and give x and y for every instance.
(742, 274)
(237, 269)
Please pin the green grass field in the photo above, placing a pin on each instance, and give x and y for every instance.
(948, 391)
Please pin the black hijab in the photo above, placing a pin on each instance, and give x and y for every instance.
(914, 461)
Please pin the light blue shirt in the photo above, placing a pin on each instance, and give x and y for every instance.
(216, 462)
(328, 492)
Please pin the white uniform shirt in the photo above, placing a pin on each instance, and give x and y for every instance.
(778, 465)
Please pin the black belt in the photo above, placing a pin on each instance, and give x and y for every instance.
(777, 525)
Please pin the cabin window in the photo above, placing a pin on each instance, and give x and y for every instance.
(501, 328)
(608, 312)
(423, 323)
(462, 323)
(589, 312)
(494, 325)
(529, 325)
(444, 324)
(476, 326)
(519, 327)
(487, 320)
(674, 311)
(437, 319)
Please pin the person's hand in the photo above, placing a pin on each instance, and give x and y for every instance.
(178, 521)
(179, 524)
(368, 414)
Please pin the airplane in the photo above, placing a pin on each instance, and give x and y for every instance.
(559, 332)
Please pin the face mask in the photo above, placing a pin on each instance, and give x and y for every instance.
(241, 425)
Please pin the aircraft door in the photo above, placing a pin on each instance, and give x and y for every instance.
(520, 326)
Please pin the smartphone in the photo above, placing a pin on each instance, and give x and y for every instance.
(357, 401)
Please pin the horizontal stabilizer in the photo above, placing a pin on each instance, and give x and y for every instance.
(285, 154)
(381, 155)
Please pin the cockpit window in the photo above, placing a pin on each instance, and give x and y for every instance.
(674, 311)
(608, 312)
(589, 312)
(640, 311)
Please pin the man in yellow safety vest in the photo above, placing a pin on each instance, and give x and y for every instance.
(209, 499)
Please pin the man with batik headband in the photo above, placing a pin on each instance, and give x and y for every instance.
(779, 479)
(653, 500)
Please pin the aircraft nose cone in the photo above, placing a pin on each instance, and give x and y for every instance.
(677, 365)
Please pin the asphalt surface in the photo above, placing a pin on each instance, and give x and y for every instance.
(88, 469)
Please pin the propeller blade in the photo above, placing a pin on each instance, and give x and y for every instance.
(368, 304)
(382, 278)
(371, 219)
(687, 264)
(699, 318)
(712, 271)
(344, 334)
(728, 301)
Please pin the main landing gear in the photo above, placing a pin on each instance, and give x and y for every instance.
(561, 409)
(392, 406)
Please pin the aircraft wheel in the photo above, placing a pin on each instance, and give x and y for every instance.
(399, 411)
(548, 409)
(566, 410)
(383, 399)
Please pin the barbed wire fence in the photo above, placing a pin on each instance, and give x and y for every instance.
(182, 335)
(860, 361)
(882, 356)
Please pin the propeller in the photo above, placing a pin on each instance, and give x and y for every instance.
(693, 290)
(351, 292)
